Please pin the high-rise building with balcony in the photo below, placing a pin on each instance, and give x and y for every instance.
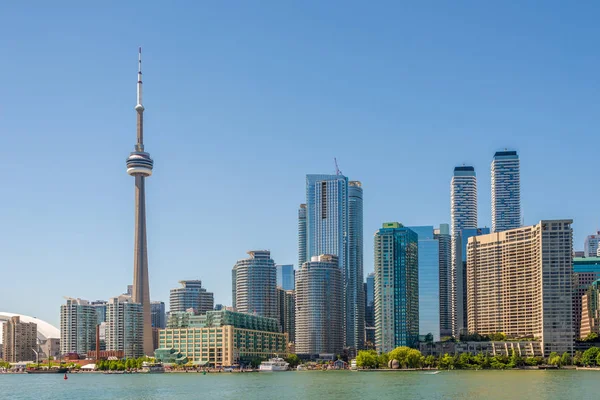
(157, 309)
(396, 287)
(442, 234)
(463, 209)
(78, 320)
(124, 326)
(506, 191)
(319, 306)
(519, 282)
(285, 276)
(191, 295)
(19, 340)
(254, 285)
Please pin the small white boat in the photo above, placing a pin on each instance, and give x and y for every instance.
(274, 364)
(432, 373)
(300, 368)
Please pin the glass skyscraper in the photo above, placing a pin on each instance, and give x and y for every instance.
(370, 311)
(301, 235)
(463, 209)
(355, 295)
(429, 283)
(255, 285)
(157, 310)
(442, 234)
(506, 191)
(396, 287)
(334, 226)
(285, 276)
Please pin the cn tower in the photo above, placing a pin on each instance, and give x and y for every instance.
(139, 165)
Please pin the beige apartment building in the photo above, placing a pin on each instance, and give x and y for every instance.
(20, 340)
(519, 283)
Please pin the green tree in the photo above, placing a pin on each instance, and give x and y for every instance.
(413, 358)
(577, 358)
(429, 361)
(366, 359)
(382, 360)
(590, 356)
(565, 359)
(446, 362)
(400, 354)
(499, 362)
(554, 360)
(591, 337)
(498, 337)
(463, 361)
(293, 360)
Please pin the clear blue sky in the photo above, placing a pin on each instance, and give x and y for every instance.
(245, 98)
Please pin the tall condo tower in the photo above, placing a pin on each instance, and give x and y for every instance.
(506, 191)
(463, 209)
(355, 291)
(139, 165)
(334, 225)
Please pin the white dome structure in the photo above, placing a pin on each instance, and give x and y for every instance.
(44, 329)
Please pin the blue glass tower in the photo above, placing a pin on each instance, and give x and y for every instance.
(429, 285)
(396, 287)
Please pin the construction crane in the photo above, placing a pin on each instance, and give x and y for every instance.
(337, 168)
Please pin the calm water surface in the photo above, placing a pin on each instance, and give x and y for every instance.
(309, 385)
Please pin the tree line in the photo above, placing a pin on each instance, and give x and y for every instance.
(412, 358)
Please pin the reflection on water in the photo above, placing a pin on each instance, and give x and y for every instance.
(538, 385)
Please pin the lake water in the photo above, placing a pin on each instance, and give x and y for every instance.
(539, 385)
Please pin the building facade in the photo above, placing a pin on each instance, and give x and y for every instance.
(285, 276)
(78, 320)
(100, 306)
(590, 246)
(19, 340)
(124, 327)
(370, 311)
(506, 191)
(354, 308)
(590, 320)
(319, 306)
(463, 215)
(222, 338)
(286, 303)
(520, 283)
(334, 225)
(586, 270)
(302, 235)
(429, 280)
(442, 234)
(396, 287)
(254, 285)
(191, 295)
(159, 318)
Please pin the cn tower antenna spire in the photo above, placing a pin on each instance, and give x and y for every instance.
(139, 107)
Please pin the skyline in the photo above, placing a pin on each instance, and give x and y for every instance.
(526, 89)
